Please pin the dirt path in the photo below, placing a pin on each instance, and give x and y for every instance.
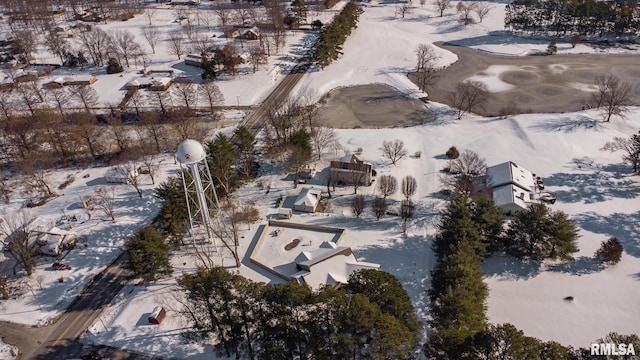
(556, 83)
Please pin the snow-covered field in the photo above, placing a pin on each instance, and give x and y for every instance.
(594, 187)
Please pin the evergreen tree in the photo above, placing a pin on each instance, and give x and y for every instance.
(149, 254)
(173, 215)
(387, 292)
(222, 155)
(610, 251)
(245, 142)
(490, 222)
(457, 225)
(537, 233)
(114, 66)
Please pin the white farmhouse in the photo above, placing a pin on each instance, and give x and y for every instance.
(307, 200)
(513, 187)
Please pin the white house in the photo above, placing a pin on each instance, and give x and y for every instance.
(328, 265)
(307, 200)
(512, 186)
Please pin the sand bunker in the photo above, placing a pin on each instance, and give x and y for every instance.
(372, 106)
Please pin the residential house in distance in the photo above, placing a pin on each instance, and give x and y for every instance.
(251, 34)
(351, 170)
(330, 265)
(151, 83)
(184, 2)
(61, 81)
(512, 187)
(194, 60)
(307, 200)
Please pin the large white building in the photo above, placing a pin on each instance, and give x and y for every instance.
(328, 265)
(512, 187)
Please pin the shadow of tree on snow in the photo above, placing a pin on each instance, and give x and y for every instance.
(600, 184)
(624, 227)
(509, 268)
(581, 266)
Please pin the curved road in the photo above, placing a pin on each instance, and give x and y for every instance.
(556, 83)
(61, 339)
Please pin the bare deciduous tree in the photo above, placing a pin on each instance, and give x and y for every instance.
(612, 96)
(403, 9)
(394, 150)
(185, 92)
(96, 42)
(630, 147)
(482, 9)
(225, 229)
(154, 130)
(426, 71)
(224, 14)
(387, 185)
(465, 173)
(104, 200)
(465, 10)
(406, 210)
(149, 13)
(125, 44)
(36, 177)
(379, 207)
(442, 5)
(60, 97)
(85, 127)
(176, 44)
(409, 186)
(358, 204)
(211, 92)
(257, 57)
(152, 35)
(17, 229)
(86, 95)
(129, 171)
(469, 96)
(322, 139)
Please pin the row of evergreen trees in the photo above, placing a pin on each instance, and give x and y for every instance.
(335, 34)
(585, 17)
(370, 318)
(458, 295)
(468, 232)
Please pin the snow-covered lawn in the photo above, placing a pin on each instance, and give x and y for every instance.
(593, 187)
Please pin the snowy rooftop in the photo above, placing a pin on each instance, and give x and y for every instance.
(509, 172)
(308, 197)
(510, 196)
(270, 251)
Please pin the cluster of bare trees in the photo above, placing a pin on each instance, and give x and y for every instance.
(293, 115)
(612, 97)
(387, 186)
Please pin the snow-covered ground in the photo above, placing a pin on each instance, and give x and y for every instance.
(8, 352)
(593, 187)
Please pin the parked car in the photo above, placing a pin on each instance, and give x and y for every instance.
(60, 266)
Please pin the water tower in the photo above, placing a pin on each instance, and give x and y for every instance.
(198, 187)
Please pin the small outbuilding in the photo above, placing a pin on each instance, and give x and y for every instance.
(307, 200)
(284, 213)
(118, 176)
(157, 315)
(54, 241)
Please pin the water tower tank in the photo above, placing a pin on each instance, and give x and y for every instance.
(189, 152)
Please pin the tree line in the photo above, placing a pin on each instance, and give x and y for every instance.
(370, 318)
(335, 33)
(469, 230)
(584, 17)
